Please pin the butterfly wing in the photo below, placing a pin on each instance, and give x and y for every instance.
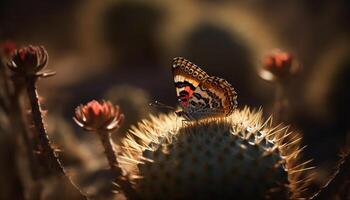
(187, 77)
(216, 94)
(199, 94)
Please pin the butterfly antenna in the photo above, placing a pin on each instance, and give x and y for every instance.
(161, 105)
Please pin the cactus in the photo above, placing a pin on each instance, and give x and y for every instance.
(238, 156)
(27, 64)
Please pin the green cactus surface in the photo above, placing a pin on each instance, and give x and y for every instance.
(236, 157)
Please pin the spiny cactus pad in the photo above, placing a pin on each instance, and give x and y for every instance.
(236, 157)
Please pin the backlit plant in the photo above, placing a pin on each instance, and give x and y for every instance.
(238, 156)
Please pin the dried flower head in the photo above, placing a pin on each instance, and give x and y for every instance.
(98, 116)
(278, 65)
(28, 60)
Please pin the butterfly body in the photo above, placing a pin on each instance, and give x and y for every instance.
(200, 95)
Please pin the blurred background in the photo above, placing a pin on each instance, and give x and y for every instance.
(122, 51)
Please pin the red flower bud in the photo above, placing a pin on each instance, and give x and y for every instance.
(278, 65)
(98, 116)
(29, 60)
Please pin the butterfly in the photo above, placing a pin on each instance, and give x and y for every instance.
(200, 95)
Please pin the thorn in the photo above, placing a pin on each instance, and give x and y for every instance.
(115, 184)
(301, 170)
(44, 112)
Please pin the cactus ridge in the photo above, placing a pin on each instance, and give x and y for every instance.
(239, 156)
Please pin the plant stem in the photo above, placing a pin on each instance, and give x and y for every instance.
(52, 161)
(281, 103)
(110, 153)
(339, 183)
(19, 124)
(278, 101)
(29, 145)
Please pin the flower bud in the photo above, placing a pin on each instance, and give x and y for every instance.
(278, 65)
(29, 60)
(98, 116)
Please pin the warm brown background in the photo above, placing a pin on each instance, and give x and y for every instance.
(122, 51)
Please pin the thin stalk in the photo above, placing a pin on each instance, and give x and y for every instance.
(28, 143)
(17, 116)
(280, 108)
(110, 153)
(18, 120)
(278, 102)
(53, 162)
(339, 179)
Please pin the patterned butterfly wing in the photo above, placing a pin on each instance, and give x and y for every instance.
(218, 96)
(201, 95)
(187, 77)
